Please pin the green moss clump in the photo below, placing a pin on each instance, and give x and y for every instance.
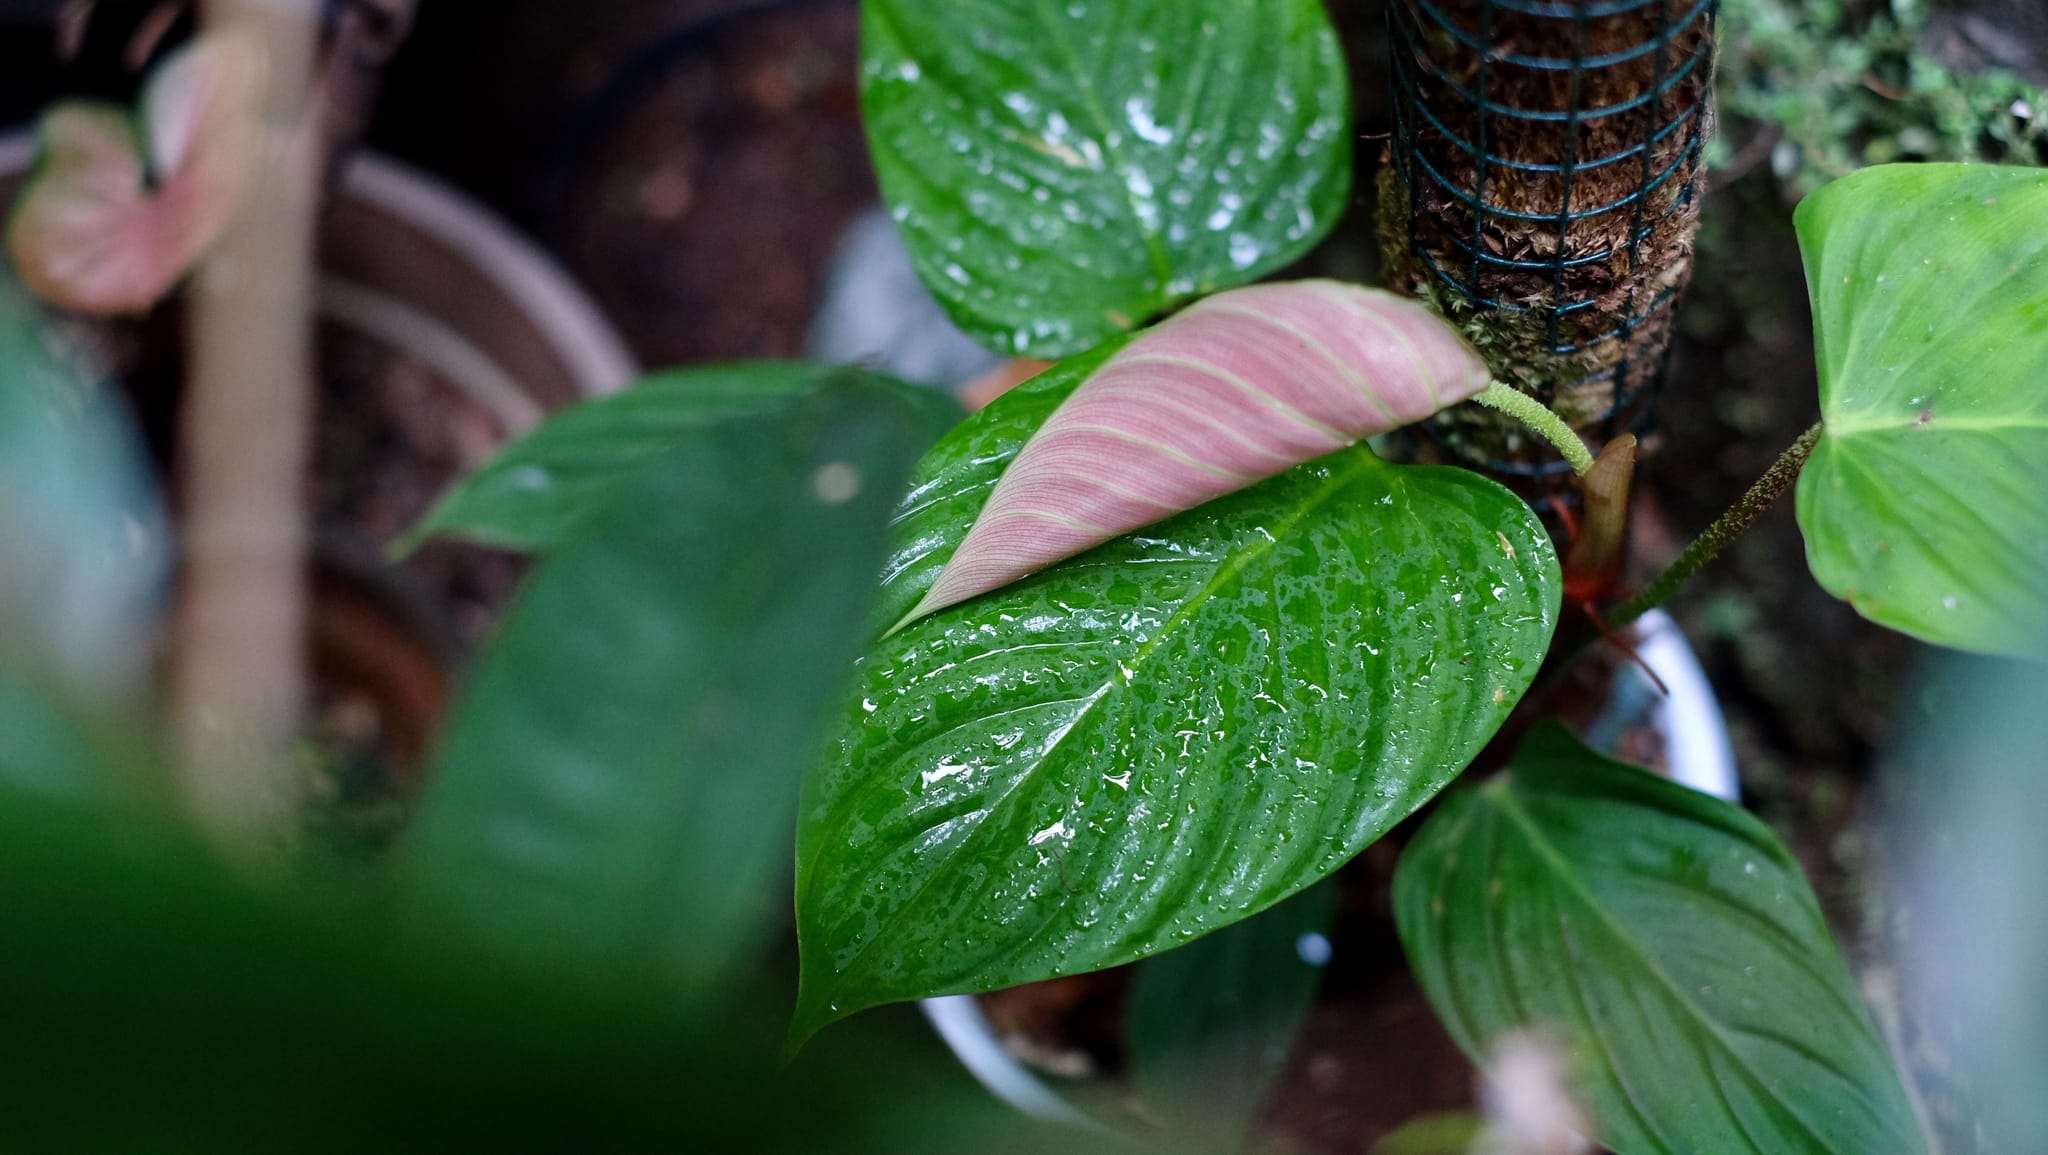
(1840, 92)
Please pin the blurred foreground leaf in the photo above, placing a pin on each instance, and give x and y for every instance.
(537, 493)
(82, 559)
(1971, 804)
(616, 793)
(156, 1002)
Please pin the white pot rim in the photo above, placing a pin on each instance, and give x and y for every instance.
(593, 352)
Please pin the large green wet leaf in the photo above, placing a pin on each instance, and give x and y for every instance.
(614, 796)
(1666, 938)
(537, 492)
(1926, 503)
(1066, 169)
(1159, 737)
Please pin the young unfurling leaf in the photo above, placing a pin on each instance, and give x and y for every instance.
(1241, 387)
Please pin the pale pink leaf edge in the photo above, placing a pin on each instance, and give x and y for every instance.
(1235, 389)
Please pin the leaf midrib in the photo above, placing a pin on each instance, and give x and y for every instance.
(1842, 429)
(1340, 480)
(1501, 795)
(1091, 99)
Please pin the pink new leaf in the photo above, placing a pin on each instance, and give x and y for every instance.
(1239, 387)
(111, 222)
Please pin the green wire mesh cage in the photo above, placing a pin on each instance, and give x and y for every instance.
(1544, 193)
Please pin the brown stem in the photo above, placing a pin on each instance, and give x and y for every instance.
(1775, 482)
(237, 677)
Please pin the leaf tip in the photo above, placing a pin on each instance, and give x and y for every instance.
(811, 1016)
(410, 542)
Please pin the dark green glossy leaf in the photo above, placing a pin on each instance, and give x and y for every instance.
(1066, 169)
(1926, 502)
(1212, 1023)
(1162, 736)
(537, 492)
(1668, 939)
(615, 792)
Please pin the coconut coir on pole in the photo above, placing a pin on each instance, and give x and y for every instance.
(1542, 195)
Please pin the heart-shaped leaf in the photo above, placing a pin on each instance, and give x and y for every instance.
(1925, 504)
(613, 800)
(1668, 939)
(537, 492)
(110, 223)
(1066, 169)
(1162, 736)
(1240, 387)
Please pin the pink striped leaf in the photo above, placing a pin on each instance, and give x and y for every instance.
(1239, 387)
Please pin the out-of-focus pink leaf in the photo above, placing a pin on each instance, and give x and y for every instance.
(111, 222)
(1239, 387)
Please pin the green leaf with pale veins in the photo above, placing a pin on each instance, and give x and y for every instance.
(613, 799)
(1064, 170)
(537, 492)
(1667, 939)
(1926, 502)
(1159, 737)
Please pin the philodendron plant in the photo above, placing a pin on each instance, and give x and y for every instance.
(1161, 642)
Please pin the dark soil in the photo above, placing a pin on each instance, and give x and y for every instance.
(704, 220)
(392, 437)
(386, 638)
(699, 205)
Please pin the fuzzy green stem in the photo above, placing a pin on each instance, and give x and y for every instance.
(1538, 417)
(1775, 483)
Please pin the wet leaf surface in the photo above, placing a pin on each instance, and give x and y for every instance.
(1064, 170)
(1159, 737)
